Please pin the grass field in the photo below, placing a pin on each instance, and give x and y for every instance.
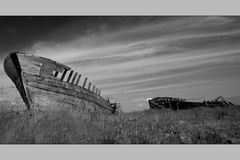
(194, 126)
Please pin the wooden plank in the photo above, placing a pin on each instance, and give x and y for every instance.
(62, 87)
(31, 58)
(93, 89)
(99, 93)
(78, 79)
(89, 86)
(46, 97)
(169, 104)
(12, 70)
(70, 93)
(74, 77)
(84, 83)
(31, 68)
(47, 69)
(96, 90)
(63, 75)
(56, 74)
(70, 75)
(206, 103)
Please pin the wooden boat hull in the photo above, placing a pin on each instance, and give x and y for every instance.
(172, 103)
(176, 103)
(41, 90)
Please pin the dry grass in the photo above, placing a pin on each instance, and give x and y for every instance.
(194, 126)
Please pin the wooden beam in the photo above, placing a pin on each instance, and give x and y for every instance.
(60, 87)
(70, 75)
(99, 93)
(85, 81)
(56, 73)
(74, 77)
(89, 86)
(206, 103)
(96, 90)
(63, 75)
(170, 104)
(78, 79)
(93, 89)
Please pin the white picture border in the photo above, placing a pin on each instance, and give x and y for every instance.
(119, 7)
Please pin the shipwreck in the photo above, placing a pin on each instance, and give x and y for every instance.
(178, 103)
(43, 85)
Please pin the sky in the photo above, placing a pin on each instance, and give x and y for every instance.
(134, 58)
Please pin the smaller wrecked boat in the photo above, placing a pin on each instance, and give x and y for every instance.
(178, 103)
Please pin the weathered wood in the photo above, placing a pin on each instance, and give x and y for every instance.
(37, 77)
(206, 103)
(13, 69)
(26, 58)
(63, 75)
(89, 86)
(84, 83)
(56, 74)
(97, 91)
(70, 75)
(78, 79)
(74, 77)
(57, 100)
(39, 65)
(32, 68)
(66, 89)
(169, 104)
(48, 69)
